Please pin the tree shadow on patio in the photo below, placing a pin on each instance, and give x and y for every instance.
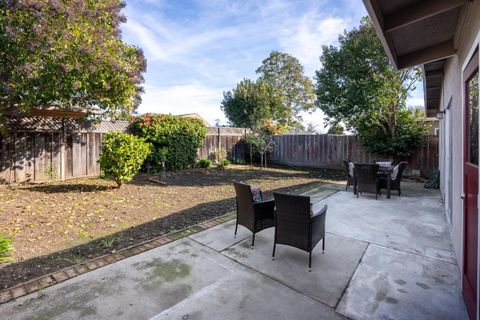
(22, 271)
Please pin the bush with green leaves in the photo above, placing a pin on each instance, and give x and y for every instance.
(5, 248)
(203, 163)
(122, 156)
(224, 163)
(178, 137)
(241, 162)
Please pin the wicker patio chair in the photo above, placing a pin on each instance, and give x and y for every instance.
(255, 216)
(295, 226)
(350, 178)
(394, 183)
(366, 178)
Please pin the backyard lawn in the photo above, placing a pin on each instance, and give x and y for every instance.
(57, 224)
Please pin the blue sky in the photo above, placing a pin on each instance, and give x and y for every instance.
(197, 49)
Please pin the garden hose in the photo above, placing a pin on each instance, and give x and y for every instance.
(434, 180)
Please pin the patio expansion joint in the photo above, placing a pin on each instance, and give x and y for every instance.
(351, 277)
(395, 249)
(278, 280)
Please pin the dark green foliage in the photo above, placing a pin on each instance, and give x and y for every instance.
(240, 161)
(122, 156)
(359, 87)
(203, 163)
(284, 74)
(409, 133)
(66, 53)
(5, 248)
(176, 138)
(225, 163)
(250, 103)
(278, 96)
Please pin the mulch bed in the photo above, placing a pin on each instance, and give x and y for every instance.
(59, 224)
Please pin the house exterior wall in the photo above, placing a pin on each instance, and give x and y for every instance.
(453, 93)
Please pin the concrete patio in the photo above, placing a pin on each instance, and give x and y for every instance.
(385, 259)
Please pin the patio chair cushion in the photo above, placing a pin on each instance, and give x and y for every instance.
(395, 172)
(257, 194)
(351, 166)
(384, 163)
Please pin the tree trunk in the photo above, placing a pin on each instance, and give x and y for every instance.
(119, 183)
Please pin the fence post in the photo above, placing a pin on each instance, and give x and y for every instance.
(62, 150)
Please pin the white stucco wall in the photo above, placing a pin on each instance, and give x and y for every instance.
(453, 89)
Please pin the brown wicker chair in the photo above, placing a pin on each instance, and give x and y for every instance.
(294, 225)
(255, 216)
(350, 179)
(366, 178)
(394, 184)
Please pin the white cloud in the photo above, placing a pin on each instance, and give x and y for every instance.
(146, 39)
(186, 98)
(195, 53)
(305, 40)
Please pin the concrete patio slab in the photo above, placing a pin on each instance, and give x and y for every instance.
(248, 296)
(385, 259)
(390, 284)
(412, 223)
(222, 236)
(330, 273)
(135, 288)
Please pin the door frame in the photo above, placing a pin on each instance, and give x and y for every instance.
(471, 64)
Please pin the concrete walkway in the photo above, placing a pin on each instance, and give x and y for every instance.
(385, 259)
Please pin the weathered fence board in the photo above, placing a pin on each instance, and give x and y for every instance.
(328, 151)
(228, 139)
(36, 156)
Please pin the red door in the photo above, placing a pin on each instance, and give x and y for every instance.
(470, 76)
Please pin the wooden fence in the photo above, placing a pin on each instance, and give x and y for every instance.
(328, 151)
(223, 138)
(59, 150)
(37, 156)
(72, 151)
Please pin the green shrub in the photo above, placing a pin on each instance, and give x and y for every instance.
(5, 248)
(122, 156)
(203, 163)
(179, 137)
(240, 161)
(224, 163)
(220, 155)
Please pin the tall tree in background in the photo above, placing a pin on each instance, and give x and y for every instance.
(284, 74)
(251, 103)
(67, 53)
(359, 87)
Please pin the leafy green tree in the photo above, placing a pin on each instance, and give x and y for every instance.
(250, 103)
(358, 86)
(67, 53)
(335, 128)
(261, 140)
(284, 74)
(175, 140)
(122, 156)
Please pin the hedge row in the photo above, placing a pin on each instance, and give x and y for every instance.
(175, 140)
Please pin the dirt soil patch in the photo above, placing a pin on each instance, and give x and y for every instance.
(58, 224)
